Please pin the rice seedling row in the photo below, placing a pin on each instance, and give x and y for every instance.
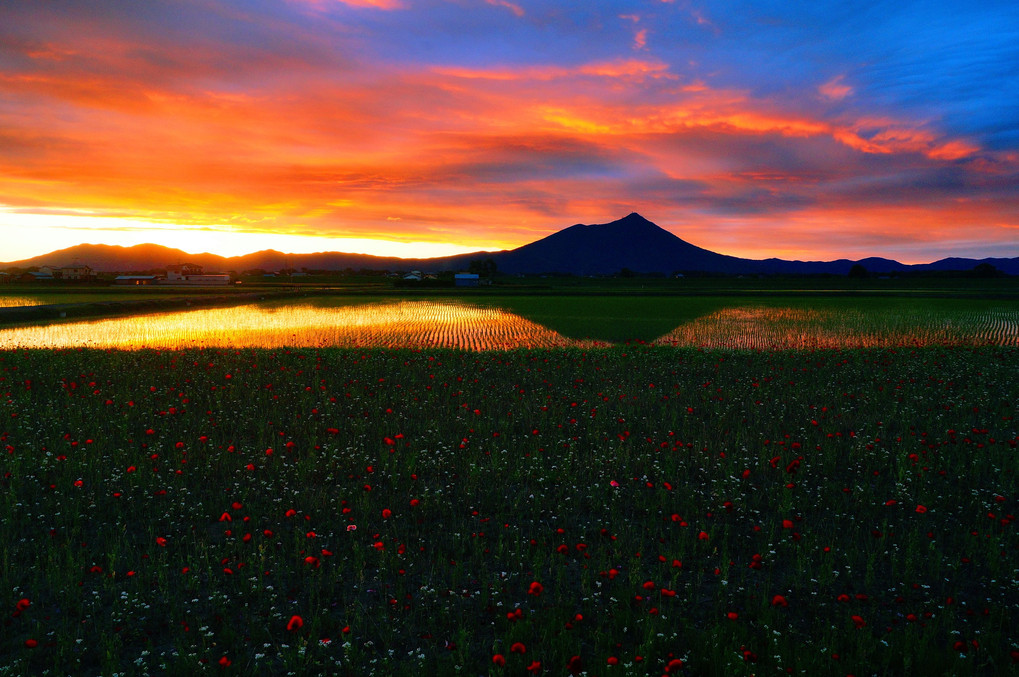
(453, 324)
(639, 510)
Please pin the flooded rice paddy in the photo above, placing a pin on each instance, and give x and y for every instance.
(345, 322)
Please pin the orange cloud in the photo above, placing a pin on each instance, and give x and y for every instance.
(640, 39)
(492, 157)
(513, 7)
(620, 68)
(834, 89)
(375, 4)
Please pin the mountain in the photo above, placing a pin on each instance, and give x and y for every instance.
(113, 258)
(632, 243)
(148, 257)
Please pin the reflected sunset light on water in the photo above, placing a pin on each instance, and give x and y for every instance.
(17, 301)
(453, 324)
(783, 328)
(402, 324)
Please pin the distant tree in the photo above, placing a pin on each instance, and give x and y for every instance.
(626, 272)
(483, 267)
(858, 272)
(985, 270)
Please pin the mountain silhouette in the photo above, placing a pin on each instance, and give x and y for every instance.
(632, 243)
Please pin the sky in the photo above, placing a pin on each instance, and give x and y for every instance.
(818, 130)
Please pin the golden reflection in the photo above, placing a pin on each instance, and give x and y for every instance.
(451, 324)
(17, 301)
(765, 328)
(404, 324)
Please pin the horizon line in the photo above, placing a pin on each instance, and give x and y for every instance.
(479, 252)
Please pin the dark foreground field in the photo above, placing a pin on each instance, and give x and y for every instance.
(625, 511)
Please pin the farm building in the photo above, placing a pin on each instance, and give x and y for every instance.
(135, 279)
(75, 271)
(191, 274)
(38, 276)
(467, 279)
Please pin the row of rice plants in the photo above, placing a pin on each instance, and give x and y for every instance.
(17, 301)
(643, 510)
(399, 324)
(449, 324)
(763, 327)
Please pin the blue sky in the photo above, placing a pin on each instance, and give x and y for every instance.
(759, 129)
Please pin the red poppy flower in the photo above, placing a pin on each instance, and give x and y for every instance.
(518, 647)
(295, 623)
(499, 659)
(858, 621)
(535, 588)
(31, 643)
(921, 509)
(779, 600)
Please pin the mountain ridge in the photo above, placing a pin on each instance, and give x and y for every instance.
(632, 243)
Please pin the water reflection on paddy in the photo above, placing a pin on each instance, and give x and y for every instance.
(455, 324)
(18, 301)
(756, 327)
(410, 324)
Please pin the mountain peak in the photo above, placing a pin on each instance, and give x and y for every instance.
(634, 217)
(630, 221)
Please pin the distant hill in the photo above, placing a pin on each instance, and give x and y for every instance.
(632, 243)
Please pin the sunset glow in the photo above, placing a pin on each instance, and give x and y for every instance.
(422, 128)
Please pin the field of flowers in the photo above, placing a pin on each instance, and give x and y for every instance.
(633, 510)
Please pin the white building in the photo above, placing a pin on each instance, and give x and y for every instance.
(191, 274)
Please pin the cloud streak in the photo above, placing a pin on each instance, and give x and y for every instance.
(490, 124)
